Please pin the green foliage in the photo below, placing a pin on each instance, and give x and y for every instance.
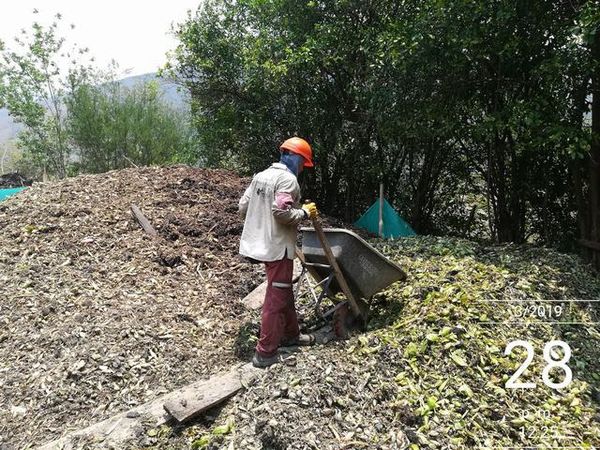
(207, 439)
(452, 321)
(469, 112)
(79, 119)
(10, 157)
(113, 127)
(33, 88)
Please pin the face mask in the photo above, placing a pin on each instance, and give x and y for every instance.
(292, 161)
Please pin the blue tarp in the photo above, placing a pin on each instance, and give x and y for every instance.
(8, 192)
(393, 225)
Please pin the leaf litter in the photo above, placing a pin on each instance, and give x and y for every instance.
(100, 318)
(96, 316)
(430, 372)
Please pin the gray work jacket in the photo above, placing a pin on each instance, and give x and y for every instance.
(270, 208)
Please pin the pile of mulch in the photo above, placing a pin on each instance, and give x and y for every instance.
(14, 180)
(431, 370)
(96, 316)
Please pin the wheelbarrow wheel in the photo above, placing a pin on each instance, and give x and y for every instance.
(344, 320)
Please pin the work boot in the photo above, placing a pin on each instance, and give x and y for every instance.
(265, 361)
(301, 340)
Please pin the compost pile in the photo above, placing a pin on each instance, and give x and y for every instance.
(14, 180)
(96, 316)
(430, 372)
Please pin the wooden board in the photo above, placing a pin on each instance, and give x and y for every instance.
(121, 428)
(145, 223)
(193, 400)
(256, 298)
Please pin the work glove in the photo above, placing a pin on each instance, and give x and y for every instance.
(310, 209)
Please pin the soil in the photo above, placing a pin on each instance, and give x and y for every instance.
(96, 315)
(99, 317)
(431, 370)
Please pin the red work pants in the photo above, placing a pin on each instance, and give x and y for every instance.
(279, 321)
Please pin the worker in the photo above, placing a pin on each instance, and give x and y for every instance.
(271, 210)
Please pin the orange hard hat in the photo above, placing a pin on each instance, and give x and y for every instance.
(300, 147)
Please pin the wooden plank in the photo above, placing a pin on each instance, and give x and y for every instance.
(590, 244)
(145, 223)
(256, 298)
(336, 268)
(300, 255)
(123, 427)
(192, 401)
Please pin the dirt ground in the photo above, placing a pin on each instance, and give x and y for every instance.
(430, 371)
(96, 316)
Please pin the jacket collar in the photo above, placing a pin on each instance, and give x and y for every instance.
(281, 166)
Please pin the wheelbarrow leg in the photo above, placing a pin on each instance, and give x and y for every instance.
(322, 295)
(344, 320)
(324, 283)
(318, 299)
(347, 315)
(356, 310)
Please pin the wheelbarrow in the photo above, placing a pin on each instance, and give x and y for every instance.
(340, 261)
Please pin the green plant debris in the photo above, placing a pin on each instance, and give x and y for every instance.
(207, 439)
(467, 302)
(431, 370)
(434, 357)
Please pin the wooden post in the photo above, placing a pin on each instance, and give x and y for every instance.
(381, 210)
(336, 268)
(594, 161)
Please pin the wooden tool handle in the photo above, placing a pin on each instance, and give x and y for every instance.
(336, 268)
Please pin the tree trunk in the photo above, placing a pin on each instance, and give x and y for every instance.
(594, 165)
(576, 164)
(499, 176)
(418, 217)
(575, 167)
(505, 183)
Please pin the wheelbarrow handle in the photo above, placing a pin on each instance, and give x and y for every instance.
(336, 268)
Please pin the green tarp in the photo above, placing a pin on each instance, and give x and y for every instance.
(393, 225)
(8, 192)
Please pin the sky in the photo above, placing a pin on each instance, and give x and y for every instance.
(135, 33)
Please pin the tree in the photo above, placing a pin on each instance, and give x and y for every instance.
(594, 158)
(33, 86)
(112, 126)
(586, 164)
(78, 118)
(457, 106)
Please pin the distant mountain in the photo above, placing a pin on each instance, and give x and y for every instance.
(170, 93)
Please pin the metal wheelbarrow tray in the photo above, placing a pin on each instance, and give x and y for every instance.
(365, 270)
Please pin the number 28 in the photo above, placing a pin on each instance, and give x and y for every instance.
(512, 382)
